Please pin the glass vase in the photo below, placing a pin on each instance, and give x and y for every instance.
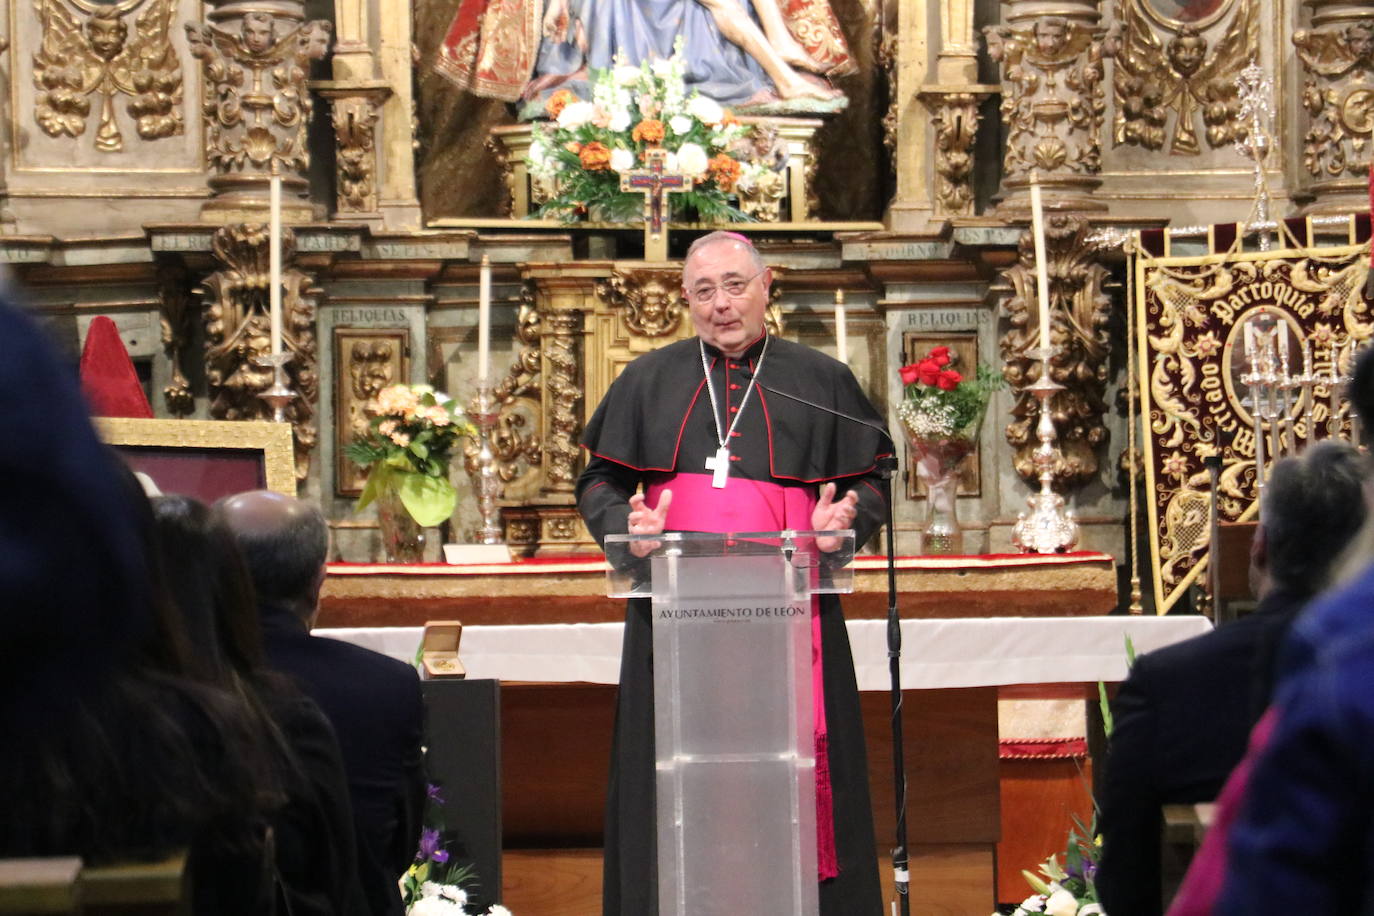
(937, 460)
(403, 538)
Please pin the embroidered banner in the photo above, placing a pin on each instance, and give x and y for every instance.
(1203, 383)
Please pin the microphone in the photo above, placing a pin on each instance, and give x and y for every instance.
(821, 407)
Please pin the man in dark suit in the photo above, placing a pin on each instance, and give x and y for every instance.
(1183, 715)
(372, 701)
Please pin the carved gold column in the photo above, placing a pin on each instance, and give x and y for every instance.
(1337, 59)
(237, 332)
(1052, 101)
(397, 198)
(354, 110)
(954, 117)
(1079, 313)
(255, 57)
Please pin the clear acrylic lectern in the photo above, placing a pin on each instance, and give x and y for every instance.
(736, 768)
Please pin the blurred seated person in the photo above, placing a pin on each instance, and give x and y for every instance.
(314, 853)
(112, 750)
(1182, 716)
(372, 701)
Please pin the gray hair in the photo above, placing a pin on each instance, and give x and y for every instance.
(1312, 508)
(722, 235)
(285, 560)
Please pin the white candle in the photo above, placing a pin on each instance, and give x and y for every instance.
(484, 322)
(1042, 272)
(841, 332)
(274, 266)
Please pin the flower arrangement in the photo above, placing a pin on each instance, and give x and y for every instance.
(940, 405)
(434, 885)
(587, 145)
(406, 450)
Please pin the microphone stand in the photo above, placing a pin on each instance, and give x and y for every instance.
(887, 468)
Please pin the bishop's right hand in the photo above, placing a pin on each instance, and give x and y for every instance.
(644, 520)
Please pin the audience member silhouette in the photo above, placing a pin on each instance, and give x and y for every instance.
(373, 701)
(315, 857)
(1183, 715)
(111, 750)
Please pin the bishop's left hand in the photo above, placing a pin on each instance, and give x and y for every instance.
(830, 515)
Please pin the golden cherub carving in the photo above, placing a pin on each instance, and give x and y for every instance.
(1155, 77)
(97, 56)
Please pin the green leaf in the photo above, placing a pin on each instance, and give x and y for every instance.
(419, 449)
(429, 500)
(378, 478)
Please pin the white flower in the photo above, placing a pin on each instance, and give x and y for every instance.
(620, 119)
(663, 69)
(434, 906)
(622, 160)
(704, 109)
(626, 75)
(498, 910)
(691, 159)
(455, 893)
(538, 152)
(575, 114)
(1035, 903)
(1061, 903)
(429, 889)
(680, 124)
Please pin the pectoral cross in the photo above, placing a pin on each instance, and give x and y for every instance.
(655, 184)
(719, 464)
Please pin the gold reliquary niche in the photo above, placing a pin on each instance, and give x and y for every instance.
(366, 360)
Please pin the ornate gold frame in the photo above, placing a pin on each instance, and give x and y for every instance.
(273, 440)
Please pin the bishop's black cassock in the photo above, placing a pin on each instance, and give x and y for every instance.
(654, 428)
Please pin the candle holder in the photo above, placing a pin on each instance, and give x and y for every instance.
(1049, 528)
(486, 482)
(278, 397)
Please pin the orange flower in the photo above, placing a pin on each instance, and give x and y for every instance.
(725, 170)
(728, 119)
(558, 101)
(573, 147)
(596, 157)
(648, 131)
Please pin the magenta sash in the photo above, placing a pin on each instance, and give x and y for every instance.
(758, 505)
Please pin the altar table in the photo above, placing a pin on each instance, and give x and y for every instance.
(558, 706)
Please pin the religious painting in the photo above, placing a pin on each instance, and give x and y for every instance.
(1197, 13)
(1244, 355)
(366, 360)
(206, 459)
(963, 354)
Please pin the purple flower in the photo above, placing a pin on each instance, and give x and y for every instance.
(434, 794)
(440, 856)
(429, 846)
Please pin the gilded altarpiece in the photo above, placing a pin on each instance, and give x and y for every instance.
(103, 97)
(1191, 313)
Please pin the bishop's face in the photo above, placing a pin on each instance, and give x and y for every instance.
(728, 295)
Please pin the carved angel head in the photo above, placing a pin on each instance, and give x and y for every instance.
(1359, 39)
(106, 33)
(258, 32)
(1051, 35)
(1187, 51)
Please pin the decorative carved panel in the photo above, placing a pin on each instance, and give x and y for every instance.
(1052, 107)
(1185, 70)
(366, 360)
(88, 54)
(256, 105)
(650, 301)
(1338, 96)
(237, 334)
(1079, 313)
(955, 117)
(354, 114)
(177, 314)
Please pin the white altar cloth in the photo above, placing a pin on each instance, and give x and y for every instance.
(936, 653)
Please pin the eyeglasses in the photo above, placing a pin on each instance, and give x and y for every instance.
(705, 295)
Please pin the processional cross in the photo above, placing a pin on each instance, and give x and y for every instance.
(655, 183)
